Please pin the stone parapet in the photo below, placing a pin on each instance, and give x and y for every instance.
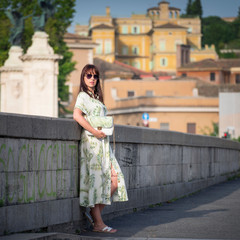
(39, 169)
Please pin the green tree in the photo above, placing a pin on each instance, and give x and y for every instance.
(196, 8)
(189, 7)
(56, 27)
(216, 31)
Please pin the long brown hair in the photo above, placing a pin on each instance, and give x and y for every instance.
(83, 87)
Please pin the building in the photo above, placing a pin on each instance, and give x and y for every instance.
(229, 114)
(82, 49)
(171, 104)
(148, 41)
(213, 71)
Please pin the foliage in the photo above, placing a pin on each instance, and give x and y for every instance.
(224, 35)
(55, 27)
(193, 9)
(214, 131)
(236, 139)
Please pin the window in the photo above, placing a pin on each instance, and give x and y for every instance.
(212, 76)
(99, 47)
(189, 30)
(125, 50)
(191, 128)
(137, 64)
(163, 62)
(135, 50)
(237, 78)
(125, 29)
(184, 74)
(131, 93)
(162, 45)
(108, 46)
(149, 93)
(151, 65)
(135, 29)
(164, 126)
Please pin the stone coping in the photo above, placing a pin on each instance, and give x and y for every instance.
(36, 127)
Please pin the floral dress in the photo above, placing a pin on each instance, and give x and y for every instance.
(96, 160)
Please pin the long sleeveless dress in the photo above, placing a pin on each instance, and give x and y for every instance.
(96, 160)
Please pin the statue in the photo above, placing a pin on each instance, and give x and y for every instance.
(48, 11)
(17, 28)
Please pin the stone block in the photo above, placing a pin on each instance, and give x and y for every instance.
(131, 176)
(20, 217)
(128, 156)
(3, 155)
(44, 128)
(59, 211)
(77, 214)
(3, 194)
(68, 129)
(19, 126)
(3, 124)
(3, 222)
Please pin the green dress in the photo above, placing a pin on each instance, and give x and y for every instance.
(96, 160)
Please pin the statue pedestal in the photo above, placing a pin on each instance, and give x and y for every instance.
(12, 82)
(40, 84)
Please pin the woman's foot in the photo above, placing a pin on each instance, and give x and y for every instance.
(104, 229)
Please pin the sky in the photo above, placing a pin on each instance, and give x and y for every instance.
(124, 8)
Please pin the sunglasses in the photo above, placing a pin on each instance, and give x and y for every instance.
(89, 76)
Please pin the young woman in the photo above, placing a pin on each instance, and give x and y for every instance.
(100, 175)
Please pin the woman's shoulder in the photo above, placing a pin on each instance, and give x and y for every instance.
(83, 95)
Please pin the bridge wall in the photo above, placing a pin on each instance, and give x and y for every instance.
(39, 169)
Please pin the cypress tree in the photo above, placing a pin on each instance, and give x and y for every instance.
(189, 8)
(197, 8)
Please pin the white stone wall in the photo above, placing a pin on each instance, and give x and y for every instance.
(29, 82)
(229, 114)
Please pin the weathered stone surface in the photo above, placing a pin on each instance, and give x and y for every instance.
(39, 169)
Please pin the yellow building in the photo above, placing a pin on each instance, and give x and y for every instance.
(148, 42)
(171, 105)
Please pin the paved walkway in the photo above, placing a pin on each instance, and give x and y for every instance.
(213, 213)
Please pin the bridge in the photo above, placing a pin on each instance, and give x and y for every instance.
(39, 172)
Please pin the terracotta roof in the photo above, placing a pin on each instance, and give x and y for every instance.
(170, 25)
(224, 64)
(102, 26)
(119, 69)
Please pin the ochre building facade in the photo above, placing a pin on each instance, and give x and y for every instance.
(173, 105)
(148, 41)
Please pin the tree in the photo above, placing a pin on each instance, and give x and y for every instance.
(56, 27)
(196, 8)
(216, 31)
(189, 7)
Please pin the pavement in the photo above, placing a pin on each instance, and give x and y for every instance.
(212, 213)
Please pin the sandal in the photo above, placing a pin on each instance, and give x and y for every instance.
(89, 218)
(106, 230)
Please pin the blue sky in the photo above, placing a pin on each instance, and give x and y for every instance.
(124, 8)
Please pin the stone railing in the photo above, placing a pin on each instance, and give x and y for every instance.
(39, 169)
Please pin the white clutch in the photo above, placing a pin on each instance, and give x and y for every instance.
(104, 124)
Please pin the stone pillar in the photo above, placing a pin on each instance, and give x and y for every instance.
(40, 84)
(11, 80)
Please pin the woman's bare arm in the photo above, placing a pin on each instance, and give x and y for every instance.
(78, 117)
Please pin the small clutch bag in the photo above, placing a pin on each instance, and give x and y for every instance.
(104, 124)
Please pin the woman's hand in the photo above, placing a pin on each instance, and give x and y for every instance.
(99, 134)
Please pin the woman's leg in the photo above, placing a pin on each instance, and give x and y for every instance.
(114, 181)
(114, 185)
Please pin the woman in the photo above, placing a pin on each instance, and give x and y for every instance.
(100, 175)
